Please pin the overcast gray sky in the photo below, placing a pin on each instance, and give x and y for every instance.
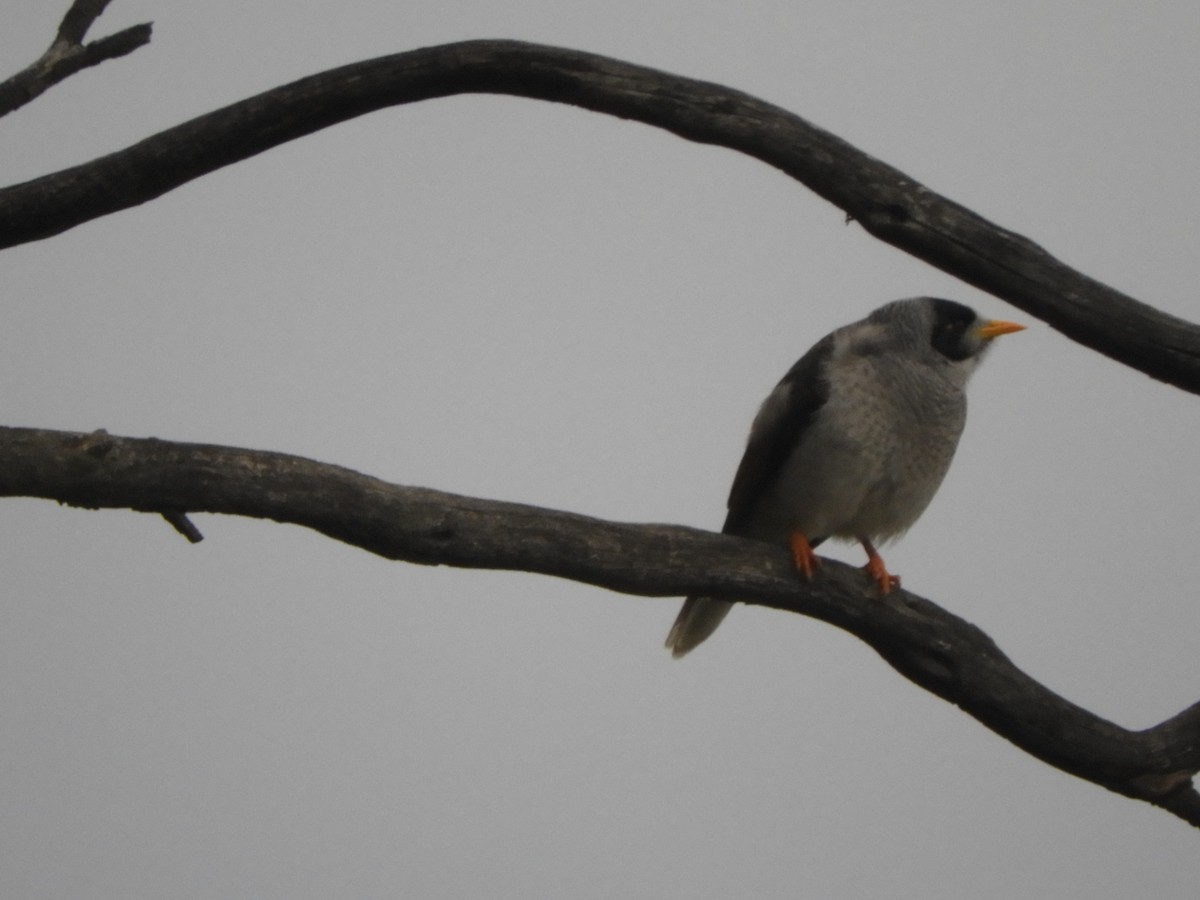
(515, 300)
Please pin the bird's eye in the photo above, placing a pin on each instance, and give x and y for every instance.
(948, 339)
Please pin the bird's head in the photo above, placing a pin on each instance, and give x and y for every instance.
(953, 330)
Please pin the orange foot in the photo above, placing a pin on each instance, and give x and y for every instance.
(884, 580)
(802, 555)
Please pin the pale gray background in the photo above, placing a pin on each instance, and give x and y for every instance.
(516, 300)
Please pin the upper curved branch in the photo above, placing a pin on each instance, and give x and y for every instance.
(930, 646)
(888, 203)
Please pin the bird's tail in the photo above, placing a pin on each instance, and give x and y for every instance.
(698, 619)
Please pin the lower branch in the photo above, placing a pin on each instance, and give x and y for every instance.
(928, 645)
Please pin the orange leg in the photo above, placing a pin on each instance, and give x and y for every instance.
(802, 554)
(877, 570)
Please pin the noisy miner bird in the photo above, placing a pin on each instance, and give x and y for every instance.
(854, 441)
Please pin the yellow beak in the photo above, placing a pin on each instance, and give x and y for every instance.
(997, 327)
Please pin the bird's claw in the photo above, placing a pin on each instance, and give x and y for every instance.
(884, 580)
(805, 560)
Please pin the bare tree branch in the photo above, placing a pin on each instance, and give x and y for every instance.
(889, 204)
(928, 645)
(79, 18)
(68, 54)
(181, 523)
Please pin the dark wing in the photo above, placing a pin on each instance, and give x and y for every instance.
(777, 428)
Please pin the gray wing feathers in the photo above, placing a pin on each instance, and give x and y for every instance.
(778, 427)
